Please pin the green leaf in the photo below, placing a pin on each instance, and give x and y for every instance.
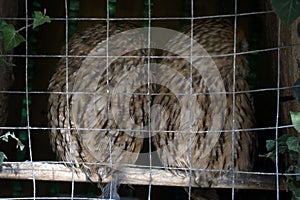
(282, 139)
(296, 193)
(293, 155)
(11, 38)
(287, 10)
(40, 19)
(293, 144)
(272, 156)
(4, 63)
(295, 116)
(282, 149)
(2, 157)
(296, 89)
(270, 145)
(2, 23)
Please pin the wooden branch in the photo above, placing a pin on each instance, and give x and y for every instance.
(132, 175)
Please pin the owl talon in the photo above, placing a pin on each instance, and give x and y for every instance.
(88, 176)
(100, 175)
(87, 172)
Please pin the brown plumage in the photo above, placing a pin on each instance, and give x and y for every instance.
(179, 146)
(94, 133)
(181, 116)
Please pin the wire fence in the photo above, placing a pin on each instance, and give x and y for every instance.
(147, 170)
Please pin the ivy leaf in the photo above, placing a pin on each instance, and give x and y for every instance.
(11, 38)
(282, 139)
(271, 155)
(296, 193)
(40, 19)
(293, 155)
(270, 145)
(2, 157)
(295, 116)
(293, 144)
(287, 10)
(282, 149)
(2, 23)
(4, 63)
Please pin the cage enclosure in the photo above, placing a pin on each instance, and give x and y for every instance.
(166, 99)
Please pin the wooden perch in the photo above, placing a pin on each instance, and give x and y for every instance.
(132, 175)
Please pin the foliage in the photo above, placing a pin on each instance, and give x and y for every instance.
(40, 18)
(287, 10)
(295, 116)
(12, 38)
(289, 145)
(5, 138)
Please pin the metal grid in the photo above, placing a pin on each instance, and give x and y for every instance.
(28, 127)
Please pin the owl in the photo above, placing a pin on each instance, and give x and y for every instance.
(206, 111)
(96, 118)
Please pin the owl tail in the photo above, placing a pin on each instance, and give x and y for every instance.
(203, 194)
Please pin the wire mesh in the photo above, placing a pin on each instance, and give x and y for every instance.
(30, 127)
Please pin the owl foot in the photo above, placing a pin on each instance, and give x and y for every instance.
(205, 179)
(100, 175)
(87, 172)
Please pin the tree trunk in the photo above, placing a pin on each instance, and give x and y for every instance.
(289, 67)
